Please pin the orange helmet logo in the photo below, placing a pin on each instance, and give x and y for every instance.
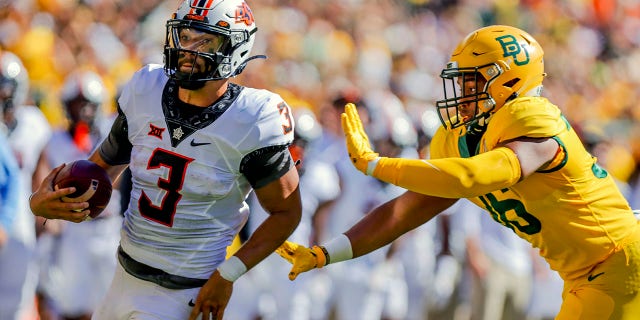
(244, 14)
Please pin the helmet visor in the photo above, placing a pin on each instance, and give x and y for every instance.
(191, 39)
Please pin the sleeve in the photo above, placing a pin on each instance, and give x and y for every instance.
(453, 177)
(266, 165)
(268, 141)
(9, 185)
(116, 147)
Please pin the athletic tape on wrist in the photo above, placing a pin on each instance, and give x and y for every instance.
(232, 268)
(371, 166)
(321, 258)
(339, 249)
(327, 257)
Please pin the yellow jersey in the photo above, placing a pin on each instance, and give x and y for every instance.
(572, 211)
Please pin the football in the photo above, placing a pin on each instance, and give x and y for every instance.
(91, 181)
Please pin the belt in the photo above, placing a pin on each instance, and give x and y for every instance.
(157, 276)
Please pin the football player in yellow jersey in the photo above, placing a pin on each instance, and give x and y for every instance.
(511, 152)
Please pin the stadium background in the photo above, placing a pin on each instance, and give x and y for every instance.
(316, 49)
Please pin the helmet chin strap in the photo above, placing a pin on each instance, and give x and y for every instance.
(199, 84)
(479, 125)
(535, 92)
(240, 68)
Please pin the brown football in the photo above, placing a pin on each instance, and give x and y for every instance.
(91, 181)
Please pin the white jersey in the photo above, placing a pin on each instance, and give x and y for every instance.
(188, 191)
(27, 140)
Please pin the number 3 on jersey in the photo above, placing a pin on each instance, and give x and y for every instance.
(177, 165)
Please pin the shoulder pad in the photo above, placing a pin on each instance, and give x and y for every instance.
(147, 78)
(533, 117)
(267, 117)
(445, 142)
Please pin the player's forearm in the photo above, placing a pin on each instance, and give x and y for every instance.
(267, 237)
(393, 219)
(378, 228)
(452, 177)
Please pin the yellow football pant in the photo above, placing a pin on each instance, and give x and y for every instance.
(610, 291)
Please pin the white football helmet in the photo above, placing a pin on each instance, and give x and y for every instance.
(82, 94)
(189, 33)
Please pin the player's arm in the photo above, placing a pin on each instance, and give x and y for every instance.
(450, 177)
(114, 171)
(470, 177)
(281, 199)
(392, 219)
(378, 228)
(114, 153)
(46, 202)
(274, 178)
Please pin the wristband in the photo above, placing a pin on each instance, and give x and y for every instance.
(339, 249)
(322, 259)
(232, 268)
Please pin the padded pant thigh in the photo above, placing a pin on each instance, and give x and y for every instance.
(586, 304)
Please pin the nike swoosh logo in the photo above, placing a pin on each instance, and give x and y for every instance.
(593, 276)
(191, 304)
(195, 144)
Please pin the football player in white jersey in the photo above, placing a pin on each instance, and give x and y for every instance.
(27, 132)
(196, 145)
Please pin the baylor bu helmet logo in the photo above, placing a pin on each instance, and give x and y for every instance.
(244, 14)
(512, 48)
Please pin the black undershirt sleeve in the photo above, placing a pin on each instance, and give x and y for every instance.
(116, 147)
(265, 165)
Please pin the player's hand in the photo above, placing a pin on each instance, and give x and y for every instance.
(212, 298)
(358, 145)
(302, 258)
(47, 202)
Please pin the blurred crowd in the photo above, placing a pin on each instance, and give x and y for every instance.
(386, 55)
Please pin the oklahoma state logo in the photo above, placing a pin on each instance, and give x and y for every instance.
(512, 48)
(244, 14)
